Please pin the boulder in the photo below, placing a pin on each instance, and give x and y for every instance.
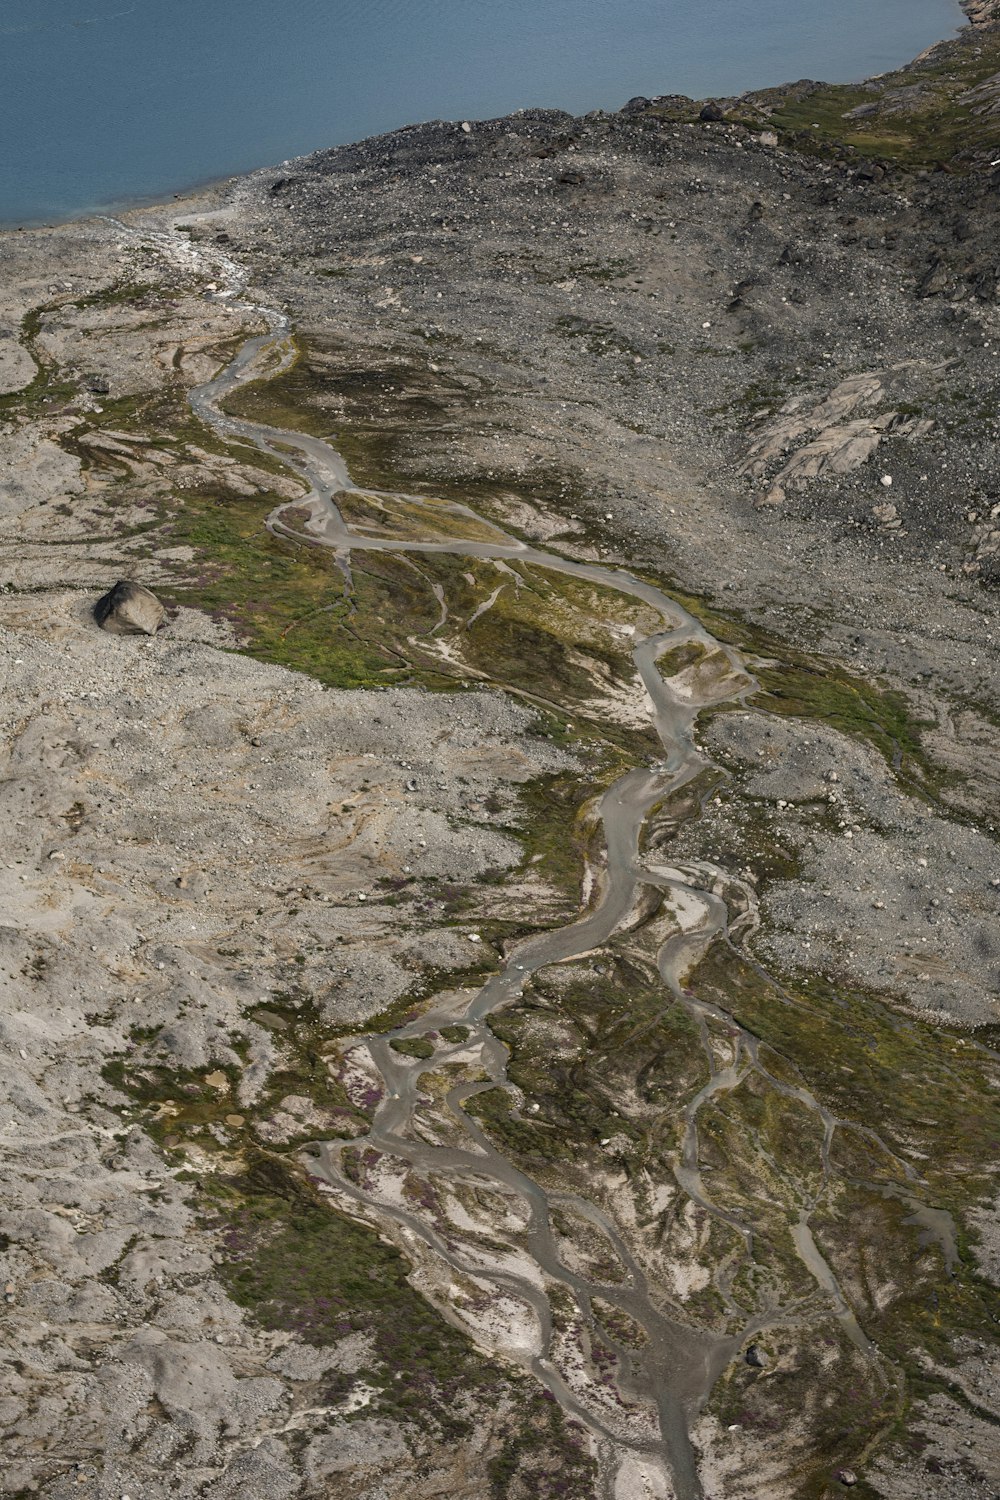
(129, 609)
(710, 112)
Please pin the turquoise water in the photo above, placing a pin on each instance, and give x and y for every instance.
(105, 100)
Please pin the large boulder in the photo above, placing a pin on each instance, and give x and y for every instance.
(129, 609)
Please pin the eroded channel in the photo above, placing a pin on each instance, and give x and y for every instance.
(640, 1415)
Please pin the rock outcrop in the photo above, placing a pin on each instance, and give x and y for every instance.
(129, 609)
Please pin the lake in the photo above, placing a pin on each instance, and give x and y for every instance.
(108, 100)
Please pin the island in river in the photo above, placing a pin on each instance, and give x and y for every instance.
(502, 988)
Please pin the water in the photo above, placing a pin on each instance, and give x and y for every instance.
(660, 1386)
(104, 100)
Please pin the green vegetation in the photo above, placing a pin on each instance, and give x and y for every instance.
(927, 1089)
(855, 705)
(300, 1267)
(121, 294)
(415, 1046)
(679, 658)
(373, 410)
(921, 117)
(48, 388)
(580, 1044)
(555, 833)
(290, 603)
(906, 1093)
(407, 1007)
(45, 388)
(614, 269)
(199, 1110)
(825, 1392)
(622, 1328)
(543, 1458)
(606, 1059)
(386, 420)
(800, 685)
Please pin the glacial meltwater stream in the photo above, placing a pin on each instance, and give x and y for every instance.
(643, 1443)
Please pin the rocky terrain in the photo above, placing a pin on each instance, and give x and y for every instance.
(746, 350)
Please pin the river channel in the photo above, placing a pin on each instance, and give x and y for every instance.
(669, 1378)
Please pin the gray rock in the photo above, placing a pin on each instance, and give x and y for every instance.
(756, 1357)
(129, 609)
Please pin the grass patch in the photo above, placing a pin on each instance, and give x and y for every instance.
(414, 1046)
(579, 1048)
(801, 685)
(300, 1268)
(920, 117)
(931, 1096)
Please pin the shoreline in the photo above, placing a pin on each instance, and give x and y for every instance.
(979, 14)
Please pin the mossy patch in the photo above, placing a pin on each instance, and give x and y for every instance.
(799, 684)
(601, 1055)
(919, 1124)
(301, 1268)
(916, 116)
(413, 1046)
(315, 1273)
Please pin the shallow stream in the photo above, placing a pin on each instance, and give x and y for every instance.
(658, 1389)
